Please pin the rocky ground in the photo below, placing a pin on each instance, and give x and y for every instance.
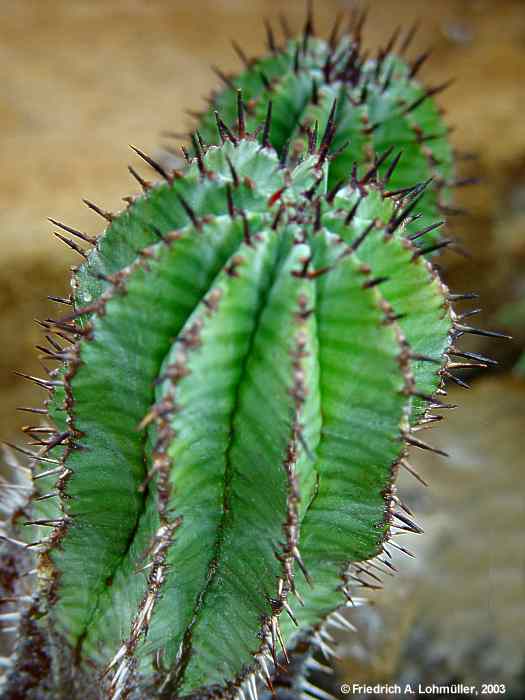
(82, 80)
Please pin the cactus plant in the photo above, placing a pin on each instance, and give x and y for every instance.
(248, 350)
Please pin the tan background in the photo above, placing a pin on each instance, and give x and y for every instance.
(82, 79)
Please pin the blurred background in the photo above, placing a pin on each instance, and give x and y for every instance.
(82, 79)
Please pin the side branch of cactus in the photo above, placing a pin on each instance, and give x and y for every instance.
(372, 105)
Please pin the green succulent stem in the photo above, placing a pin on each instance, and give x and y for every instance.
(251, 346)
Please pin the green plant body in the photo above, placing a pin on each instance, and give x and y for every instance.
(249, 349)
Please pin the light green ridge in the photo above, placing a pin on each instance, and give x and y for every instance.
(362, 416)
(228, 624)
(412, 288)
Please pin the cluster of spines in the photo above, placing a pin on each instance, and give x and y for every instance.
(66, 329)
(319, 71)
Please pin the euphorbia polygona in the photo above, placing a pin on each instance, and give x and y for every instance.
(249, 349)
